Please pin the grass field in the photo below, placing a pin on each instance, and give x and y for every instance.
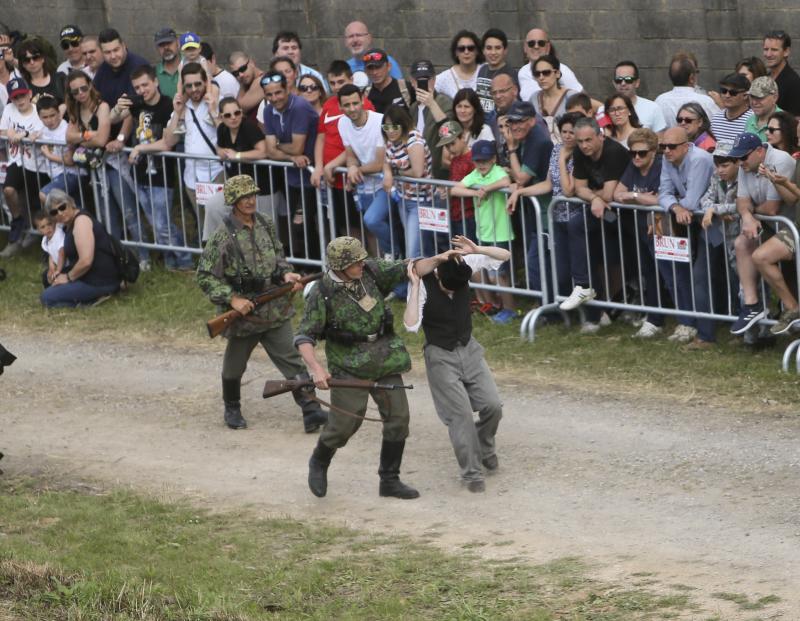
(164, 305)
(93, 555)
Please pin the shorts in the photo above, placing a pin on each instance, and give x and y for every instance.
(505, 266)
(785, 236)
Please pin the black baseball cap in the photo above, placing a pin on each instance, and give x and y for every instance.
(71, 32)
(165, 35)
(375, 58)
(422, 69)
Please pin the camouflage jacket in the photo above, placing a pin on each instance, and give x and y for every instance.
(221, 270)
(364, 360)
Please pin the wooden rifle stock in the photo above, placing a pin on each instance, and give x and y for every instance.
(278, 387)
(220, 322)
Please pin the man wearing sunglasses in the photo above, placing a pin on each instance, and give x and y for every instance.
(685, 175)
(244, 69)
(537, 43)
(385, 90)
(71, 37)
(776, 49)
(626, 82)
(731, 121)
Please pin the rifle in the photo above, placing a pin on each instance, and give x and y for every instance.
(278, 387)
(220, 322)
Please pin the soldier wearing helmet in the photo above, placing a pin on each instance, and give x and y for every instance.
(243, 258)
(347, 309)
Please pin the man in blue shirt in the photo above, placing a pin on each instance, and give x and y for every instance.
(358, 40)
(685, 174)
(290, 124)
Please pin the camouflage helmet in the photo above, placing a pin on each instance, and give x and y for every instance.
(238, 187)
(342, 252)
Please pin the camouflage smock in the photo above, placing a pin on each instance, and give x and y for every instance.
(263, 254)
(363, 360)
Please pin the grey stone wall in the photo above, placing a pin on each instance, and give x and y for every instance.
(590, 37)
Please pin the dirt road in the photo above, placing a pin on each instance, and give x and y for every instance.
(697, 497)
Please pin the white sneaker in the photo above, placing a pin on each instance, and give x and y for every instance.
(578, 296)
(144, 265)
(648, 331)
(683, 334)
(605, 320)
(590, 327)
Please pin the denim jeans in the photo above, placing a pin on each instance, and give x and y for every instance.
(69, 182)
(376, 208)
(122, 202)
(409, 218)
(569, 244)
(75, 293)
(156, 203)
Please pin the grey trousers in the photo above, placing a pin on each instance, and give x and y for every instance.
(278, 343)
(461, 383)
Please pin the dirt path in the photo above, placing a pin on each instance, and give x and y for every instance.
(696, 497)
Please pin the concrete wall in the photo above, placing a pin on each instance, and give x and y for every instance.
(589, 39)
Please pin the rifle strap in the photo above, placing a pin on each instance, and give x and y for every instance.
(339, 410)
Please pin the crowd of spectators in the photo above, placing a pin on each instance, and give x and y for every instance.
(705, 162)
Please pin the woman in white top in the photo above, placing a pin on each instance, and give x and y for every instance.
(469, 113)
(468, 57)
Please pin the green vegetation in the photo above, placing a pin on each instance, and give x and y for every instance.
(71, 555)
(165, 305)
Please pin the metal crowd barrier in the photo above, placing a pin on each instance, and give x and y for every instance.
(618, 249)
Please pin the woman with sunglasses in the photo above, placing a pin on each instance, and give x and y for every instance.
(624, 119)
(551, 99)
(88, 116)
(782, 132)
(465, 50)
(693, 118)
(238, 139)
(407, 155)
(90, 270)
(538, 44)
(312, 90)
(39, 71)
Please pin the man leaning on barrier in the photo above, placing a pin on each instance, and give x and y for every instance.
(758, 195)
(243, 258)
(347, 309)
(685, 175)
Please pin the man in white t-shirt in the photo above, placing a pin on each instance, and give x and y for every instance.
(71, 37)
(19, 122)
(756, 194)
(363, 155)
(537, 44)
(197, 104)
(626, 82)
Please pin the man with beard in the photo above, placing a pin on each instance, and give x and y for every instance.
(166, 41)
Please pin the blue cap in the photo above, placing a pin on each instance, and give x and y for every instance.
(521, 110)
(483, 150)
(745, 144)
(16, 86)
(189, 39)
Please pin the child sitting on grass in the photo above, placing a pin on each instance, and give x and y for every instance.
(493, 223)
(52, 244)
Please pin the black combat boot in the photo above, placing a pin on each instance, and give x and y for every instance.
(391, 485)
(231, 389)
(318, 469)
(314, 416)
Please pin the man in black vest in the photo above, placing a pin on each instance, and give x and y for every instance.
(459, 378)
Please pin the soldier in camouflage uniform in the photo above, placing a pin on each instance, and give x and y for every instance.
(346, 308)
(242, 259)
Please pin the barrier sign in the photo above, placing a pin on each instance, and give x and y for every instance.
(433, 219)
(672, 248)
(204, 191)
